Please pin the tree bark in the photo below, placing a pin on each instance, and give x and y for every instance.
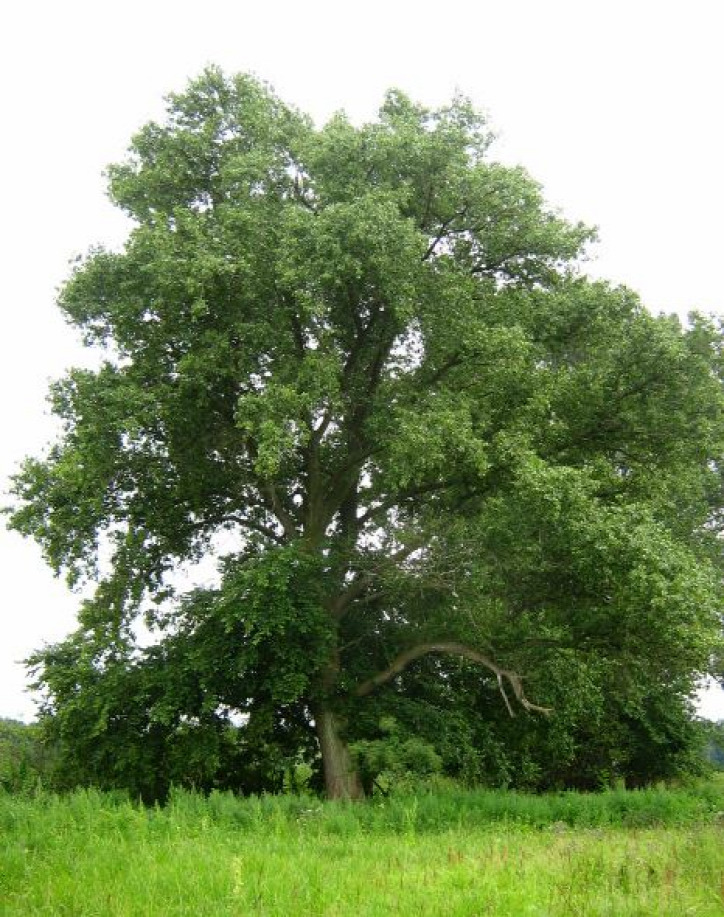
(340, 775)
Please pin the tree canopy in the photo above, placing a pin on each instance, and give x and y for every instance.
(360, 365)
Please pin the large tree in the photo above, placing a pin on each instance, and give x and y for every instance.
(359, 365)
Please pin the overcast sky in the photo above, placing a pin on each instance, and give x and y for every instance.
(616, 107)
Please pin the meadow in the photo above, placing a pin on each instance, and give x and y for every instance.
(440, 852)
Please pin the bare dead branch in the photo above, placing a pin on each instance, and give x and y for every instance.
(404, 659)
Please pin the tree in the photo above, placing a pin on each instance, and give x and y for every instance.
(359, 365)
(24, 761)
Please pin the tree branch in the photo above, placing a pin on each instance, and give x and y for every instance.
(514, 680)
(442, 231)
(270, 497)
(259, 527)
(297, 332)
(288, 523)
(404, 495)
(319, 431)
(357, 587)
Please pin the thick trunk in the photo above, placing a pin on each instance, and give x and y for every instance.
(340, 775)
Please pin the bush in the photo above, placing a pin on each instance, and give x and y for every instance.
(391, 761)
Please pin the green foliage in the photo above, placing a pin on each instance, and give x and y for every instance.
(360, 366)
(601, 732)
(147, 721)
(25, 762)
(390, 761)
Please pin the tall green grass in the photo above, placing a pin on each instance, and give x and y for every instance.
(439, 809)
(658, 852)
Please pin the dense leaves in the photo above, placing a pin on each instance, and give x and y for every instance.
(26, 761)
(360, 364)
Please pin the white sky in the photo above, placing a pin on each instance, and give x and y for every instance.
(616, 107)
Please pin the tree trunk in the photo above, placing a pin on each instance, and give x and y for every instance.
(340, 775)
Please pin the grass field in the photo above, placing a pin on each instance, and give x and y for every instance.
(462, 854)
